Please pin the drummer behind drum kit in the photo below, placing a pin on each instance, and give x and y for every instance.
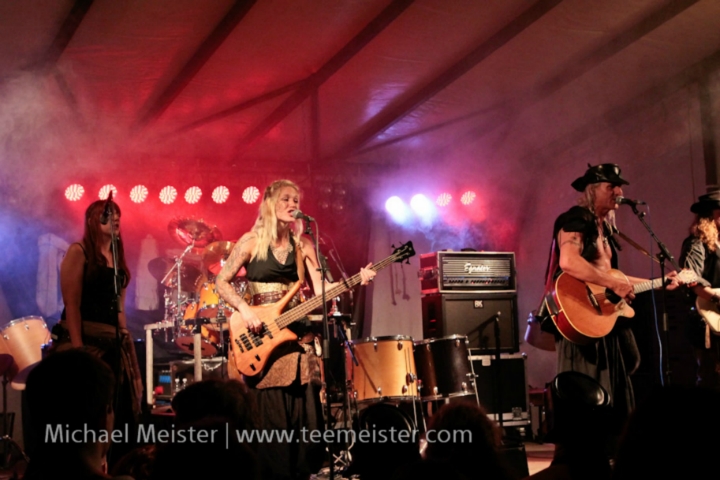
(192, 303)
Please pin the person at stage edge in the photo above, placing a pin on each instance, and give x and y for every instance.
(700, 253)
(91, 313)
(275, 255)
(585, 247)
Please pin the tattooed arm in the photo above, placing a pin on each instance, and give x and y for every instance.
(239, 256)
(572, 263)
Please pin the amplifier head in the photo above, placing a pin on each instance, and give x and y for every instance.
(448, 271)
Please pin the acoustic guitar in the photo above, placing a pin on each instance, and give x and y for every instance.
(584, 312)
(709, 312)
(252, 351)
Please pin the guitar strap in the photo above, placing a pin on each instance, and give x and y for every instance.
(300, 261)
(636, 245)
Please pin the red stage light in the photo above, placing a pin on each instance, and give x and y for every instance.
(168, 195)
(74, 192)
(443, 200)
(139, 193)
(193, 194)
(105, 191)
(220, 194)
(251, 194)
(468, 197)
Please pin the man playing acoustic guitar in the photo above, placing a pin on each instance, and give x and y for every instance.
(584, 252)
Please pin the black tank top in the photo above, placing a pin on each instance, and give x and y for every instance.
(97, 303)
(270, 270)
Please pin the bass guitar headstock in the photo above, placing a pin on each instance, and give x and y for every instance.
(403, 252)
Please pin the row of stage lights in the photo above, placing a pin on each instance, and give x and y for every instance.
(423, 206)
(167, 195)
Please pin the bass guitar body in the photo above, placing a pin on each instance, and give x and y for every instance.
(252, 351)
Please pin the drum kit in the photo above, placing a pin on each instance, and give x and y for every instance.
(387, 374)
(192, 302)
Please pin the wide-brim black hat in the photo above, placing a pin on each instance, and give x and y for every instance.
(706, 203)
(607, 172)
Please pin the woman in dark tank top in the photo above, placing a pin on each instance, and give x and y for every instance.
(92, 313)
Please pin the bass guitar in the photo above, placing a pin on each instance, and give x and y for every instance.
(584, 312)
(252, 351)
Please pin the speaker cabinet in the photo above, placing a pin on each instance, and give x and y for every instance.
(502, 387)
(472, 314)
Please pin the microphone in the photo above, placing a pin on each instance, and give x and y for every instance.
(297, 214)
(628, 201)
(107, 210)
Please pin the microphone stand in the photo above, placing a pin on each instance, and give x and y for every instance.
(495, 320)
(118, 309)
(661, 257)
(326, 340)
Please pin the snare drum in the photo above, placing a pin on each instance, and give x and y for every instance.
(23, 339)
(385, 370)
(443, 367)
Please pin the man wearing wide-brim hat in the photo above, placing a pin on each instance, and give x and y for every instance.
(585, 248)
(701, 253)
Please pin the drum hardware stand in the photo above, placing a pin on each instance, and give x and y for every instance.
(178, 266)
(222, 320)
(344, 458)
(6, 438)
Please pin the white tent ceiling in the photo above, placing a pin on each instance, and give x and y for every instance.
(317, 83)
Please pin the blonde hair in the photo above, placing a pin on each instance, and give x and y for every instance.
(266, 223)
(705, 228)
(587, 200)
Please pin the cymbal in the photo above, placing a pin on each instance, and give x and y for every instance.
(215, 254)
(189, 230)
(160, 266)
